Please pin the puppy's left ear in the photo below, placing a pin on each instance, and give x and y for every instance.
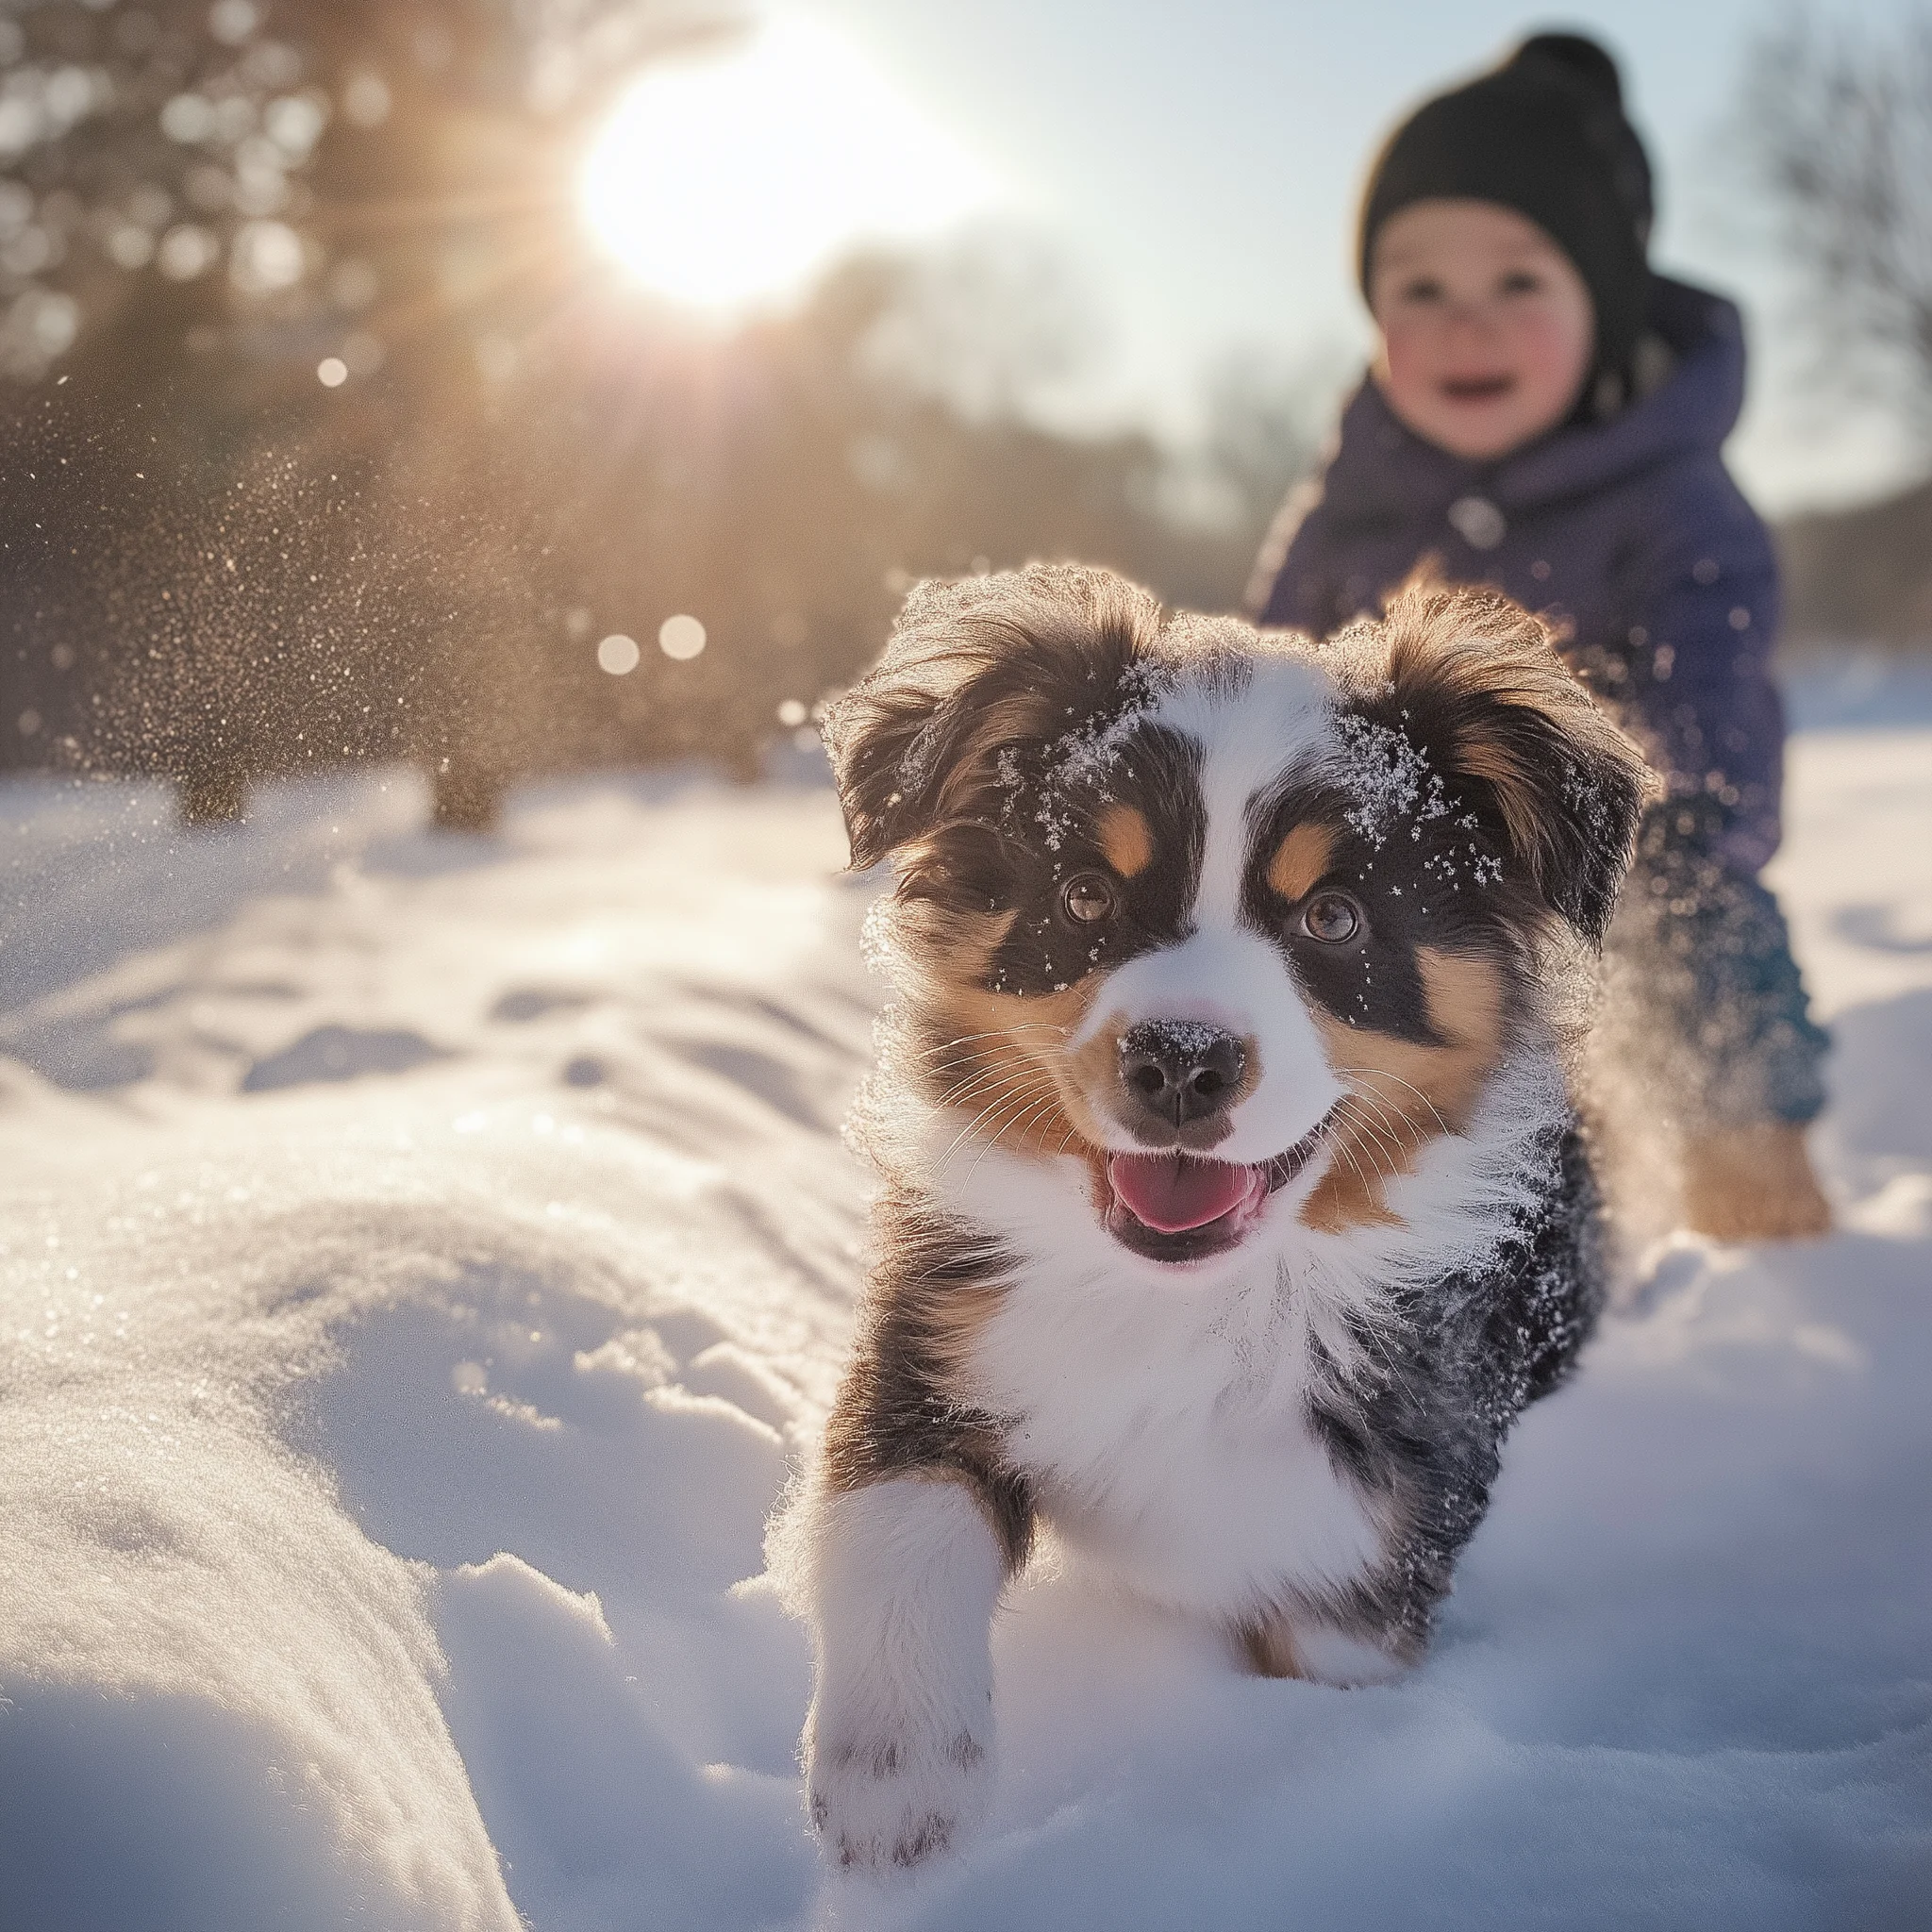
(1474, 682)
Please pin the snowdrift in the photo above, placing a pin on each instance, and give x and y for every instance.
(422, 1259)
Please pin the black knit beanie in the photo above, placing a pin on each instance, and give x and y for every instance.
(1543, 134)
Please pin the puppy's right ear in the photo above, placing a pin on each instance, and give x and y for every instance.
(975, 672)
(891, 738)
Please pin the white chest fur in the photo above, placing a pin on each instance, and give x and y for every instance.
(1163, 1424)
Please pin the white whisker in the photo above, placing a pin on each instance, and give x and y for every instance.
(994, 1033)
(1382, 1074)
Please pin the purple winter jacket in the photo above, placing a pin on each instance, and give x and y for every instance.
(1629, 534)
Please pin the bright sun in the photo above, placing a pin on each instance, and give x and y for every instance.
(729, 180)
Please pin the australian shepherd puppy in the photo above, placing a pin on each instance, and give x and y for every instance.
(1233, 1206)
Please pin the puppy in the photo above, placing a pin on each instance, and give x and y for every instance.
(1232, 1203)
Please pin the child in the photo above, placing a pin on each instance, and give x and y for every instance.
(1546, 415)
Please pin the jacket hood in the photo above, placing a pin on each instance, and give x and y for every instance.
(1382, 469)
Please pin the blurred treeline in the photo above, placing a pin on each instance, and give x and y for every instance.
(214, 566)
(1835, 123)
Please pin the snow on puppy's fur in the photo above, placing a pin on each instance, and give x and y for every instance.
(1233, 1203)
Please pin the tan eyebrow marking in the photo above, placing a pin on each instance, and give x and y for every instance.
(1127, 839)
(1301, 861)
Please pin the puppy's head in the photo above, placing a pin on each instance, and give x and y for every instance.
(1236, 920)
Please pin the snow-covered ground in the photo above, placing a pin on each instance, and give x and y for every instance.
(421, 1256)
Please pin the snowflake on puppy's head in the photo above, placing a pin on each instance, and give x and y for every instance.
(1388, 777)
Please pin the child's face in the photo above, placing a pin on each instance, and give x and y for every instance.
(1487, 328)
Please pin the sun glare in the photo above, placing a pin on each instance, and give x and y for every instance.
(729, 180)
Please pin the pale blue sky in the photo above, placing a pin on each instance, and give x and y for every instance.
(1203, 161)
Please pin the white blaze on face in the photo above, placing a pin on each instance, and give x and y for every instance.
(1251, 740)
(1225, 973)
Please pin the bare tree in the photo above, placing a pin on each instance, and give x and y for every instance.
(1836, 122)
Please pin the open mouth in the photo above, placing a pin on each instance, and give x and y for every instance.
(1477, 389)
(1175, 1207)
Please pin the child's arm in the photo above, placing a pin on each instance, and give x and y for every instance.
(1710, 942)
(1694, 678)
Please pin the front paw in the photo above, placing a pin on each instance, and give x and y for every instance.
(891, 1798)
(898, 1747)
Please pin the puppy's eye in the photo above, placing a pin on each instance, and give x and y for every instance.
(1089, 899)
(1333, 918)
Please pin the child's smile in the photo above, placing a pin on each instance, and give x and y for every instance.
(1477, 389)
(1487, 327)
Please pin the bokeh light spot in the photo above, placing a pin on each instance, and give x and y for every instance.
(130, 246)
(265, 256)
(618, 654)
(188, 251)
(680, 637)
(366, 100)
(331, 372)
(233, 20)
(188, 118)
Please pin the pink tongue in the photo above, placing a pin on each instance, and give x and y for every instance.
(1173, 1193)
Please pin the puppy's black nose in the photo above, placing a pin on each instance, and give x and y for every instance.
(1181, 1070)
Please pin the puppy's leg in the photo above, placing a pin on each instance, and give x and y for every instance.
(1281, 1646)
(1267, 1647)
(904, 1574)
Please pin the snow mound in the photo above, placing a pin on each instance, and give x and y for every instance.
(422, 1259)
